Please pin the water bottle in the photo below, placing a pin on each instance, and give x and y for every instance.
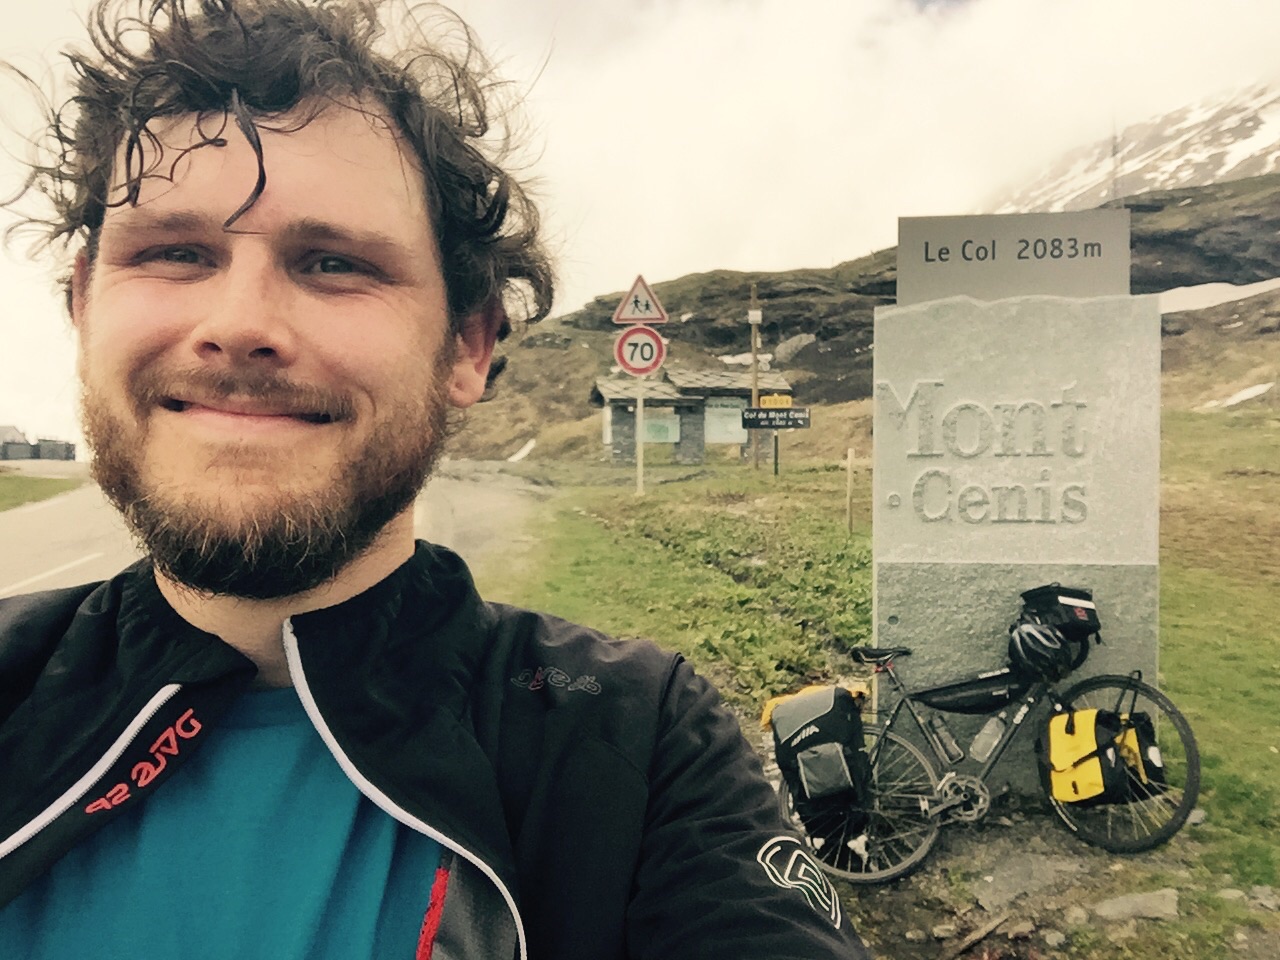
(987, 738)
(942, 733)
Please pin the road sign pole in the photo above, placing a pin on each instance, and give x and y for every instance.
(640, 441)
(848, 490)
(775, 453)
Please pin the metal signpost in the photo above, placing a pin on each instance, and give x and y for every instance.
(639, 351)
(775, 413)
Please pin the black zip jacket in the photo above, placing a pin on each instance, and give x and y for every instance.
(592, 796)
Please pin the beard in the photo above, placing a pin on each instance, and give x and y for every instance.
(274, 546)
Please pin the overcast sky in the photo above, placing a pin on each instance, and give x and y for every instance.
(676, 136)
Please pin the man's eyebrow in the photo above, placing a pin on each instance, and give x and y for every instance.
(306, 229)
(137, 219)
(312, 230)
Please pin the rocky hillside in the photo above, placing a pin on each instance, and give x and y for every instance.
(1227, 232)
(1223, 138)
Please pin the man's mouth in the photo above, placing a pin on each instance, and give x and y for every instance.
(231, 408)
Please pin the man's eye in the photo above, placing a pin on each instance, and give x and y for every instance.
(331, 264)
(172, 255)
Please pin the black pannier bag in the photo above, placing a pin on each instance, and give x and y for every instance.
(1141, 754)
(817, 741)
(981, 694)
(1070, 609)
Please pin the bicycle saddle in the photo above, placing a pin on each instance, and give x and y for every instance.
(878, 654)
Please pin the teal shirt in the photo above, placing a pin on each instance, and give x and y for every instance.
(258, 848)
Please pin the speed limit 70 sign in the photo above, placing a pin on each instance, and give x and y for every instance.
(639, 350)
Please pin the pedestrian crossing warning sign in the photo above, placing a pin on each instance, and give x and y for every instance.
(640, 306)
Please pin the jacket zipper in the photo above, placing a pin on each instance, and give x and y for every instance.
(380, 799)
(81, 787)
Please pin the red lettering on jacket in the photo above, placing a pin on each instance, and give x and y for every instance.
(114, 797)
(166, 743)
(145, 771)
(187, 726)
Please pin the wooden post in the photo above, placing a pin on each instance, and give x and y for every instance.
(755, 375)
(848, 490)
(640, 438)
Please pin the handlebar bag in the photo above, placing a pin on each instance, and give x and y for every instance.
(1070, 609)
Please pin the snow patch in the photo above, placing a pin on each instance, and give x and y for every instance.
(1248, 393)
(744, 360)
(1205, 295)
(522, 452)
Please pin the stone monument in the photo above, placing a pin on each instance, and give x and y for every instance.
(1016, 439)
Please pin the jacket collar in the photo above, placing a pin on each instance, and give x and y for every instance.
(397, 674)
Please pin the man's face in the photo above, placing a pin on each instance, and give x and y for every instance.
(261, 402)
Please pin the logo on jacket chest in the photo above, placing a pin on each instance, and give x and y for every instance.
(141, 774)
(554, 677)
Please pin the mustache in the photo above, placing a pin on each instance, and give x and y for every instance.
(172, 389)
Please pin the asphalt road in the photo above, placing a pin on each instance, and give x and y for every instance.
(72, 538)
(78, 537)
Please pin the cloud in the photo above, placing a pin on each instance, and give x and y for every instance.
(680, 137)
(676, 136)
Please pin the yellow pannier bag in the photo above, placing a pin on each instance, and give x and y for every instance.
(1084, 765)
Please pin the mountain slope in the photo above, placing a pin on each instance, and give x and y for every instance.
(1227, 232)
(1225, 138)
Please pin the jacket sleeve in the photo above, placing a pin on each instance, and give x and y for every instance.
(720, 873)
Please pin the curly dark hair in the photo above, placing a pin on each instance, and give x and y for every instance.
(246, 61)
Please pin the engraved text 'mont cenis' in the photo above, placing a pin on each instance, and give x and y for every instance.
(968, 431)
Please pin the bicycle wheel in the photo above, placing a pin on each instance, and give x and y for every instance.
(884, 837)
(1153, 812)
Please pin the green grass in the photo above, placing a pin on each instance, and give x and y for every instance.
(744, 572)
(603, 571)
(16, 489)
(1221, 666)
(1220, 560)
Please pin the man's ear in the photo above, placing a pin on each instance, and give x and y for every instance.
(78, 289)
(473, 346)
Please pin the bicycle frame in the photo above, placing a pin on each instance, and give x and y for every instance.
(905, 699)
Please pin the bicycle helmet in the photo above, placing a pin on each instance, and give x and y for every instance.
(1039, 651)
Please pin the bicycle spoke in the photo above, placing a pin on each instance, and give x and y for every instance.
(888, 835)
(1152, 809)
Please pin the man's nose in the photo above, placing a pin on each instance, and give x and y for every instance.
(246, 318)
